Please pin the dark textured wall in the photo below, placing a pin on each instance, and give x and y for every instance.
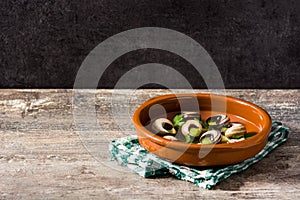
(255, 44)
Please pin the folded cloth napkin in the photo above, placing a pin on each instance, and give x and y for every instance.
(128, 152)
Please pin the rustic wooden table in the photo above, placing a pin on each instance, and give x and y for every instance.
(44, 153)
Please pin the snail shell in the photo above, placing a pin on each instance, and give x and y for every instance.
(189, 115)
(235, 140)
(191, 127)
(214, 136)
(163, 126)
(237, 130)
(218, 120)
(170, 137)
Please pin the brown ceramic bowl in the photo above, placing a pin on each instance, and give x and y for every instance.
(253, 117)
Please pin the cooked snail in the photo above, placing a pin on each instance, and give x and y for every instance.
(170, 137)
(190, 115)
(191, 127)
(236, 130)
(211, 137)
(218, 120)
(163, 126)
(235, 140)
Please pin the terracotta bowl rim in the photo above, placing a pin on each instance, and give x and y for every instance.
(254, 140)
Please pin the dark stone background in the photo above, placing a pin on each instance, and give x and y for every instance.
(255, 44)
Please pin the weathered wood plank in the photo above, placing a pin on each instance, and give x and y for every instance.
(42, 155)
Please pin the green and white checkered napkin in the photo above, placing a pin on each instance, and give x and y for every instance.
(128, 152)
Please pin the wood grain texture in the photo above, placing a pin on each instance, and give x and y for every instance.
(44, 156)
